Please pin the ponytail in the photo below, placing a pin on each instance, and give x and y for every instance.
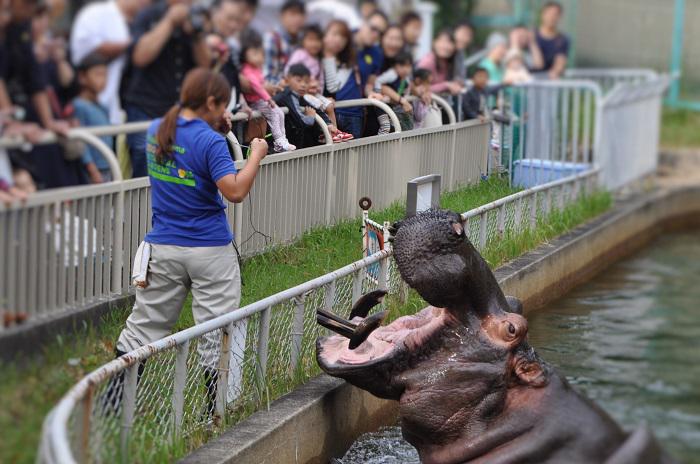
(198, 86)
(165, 137)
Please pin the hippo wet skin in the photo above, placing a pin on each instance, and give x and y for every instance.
(470, 387)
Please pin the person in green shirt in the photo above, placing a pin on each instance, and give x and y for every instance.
(497, 47)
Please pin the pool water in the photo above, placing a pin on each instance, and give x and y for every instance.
(629, 339)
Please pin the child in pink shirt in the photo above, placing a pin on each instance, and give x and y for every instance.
(253, 58)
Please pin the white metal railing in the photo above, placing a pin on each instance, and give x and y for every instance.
(70, 248)
(137, 406)
(554, 130)
(561, 127)
(607, 78)
(630, 124)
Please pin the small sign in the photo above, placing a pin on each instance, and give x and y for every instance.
(423, 193)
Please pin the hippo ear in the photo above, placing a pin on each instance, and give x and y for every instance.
(530, 372)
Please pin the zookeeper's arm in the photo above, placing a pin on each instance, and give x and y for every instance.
(235, 187)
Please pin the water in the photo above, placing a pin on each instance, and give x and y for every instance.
(629, 339)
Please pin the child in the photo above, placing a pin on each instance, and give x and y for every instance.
(395, 84)
(516, 71)
(92, 78)
(252, 57)
(475, 107)
(309, 55)
(474, 103)
(423, 104)
(300, 122)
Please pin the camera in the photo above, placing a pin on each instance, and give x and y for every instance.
(199, 15)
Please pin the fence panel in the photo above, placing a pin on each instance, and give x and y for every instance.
(70, 248)
(631, 117)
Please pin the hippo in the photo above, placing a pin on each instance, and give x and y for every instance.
(470, 388)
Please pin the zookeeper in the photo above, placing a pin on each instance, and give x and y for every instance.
(191, 244)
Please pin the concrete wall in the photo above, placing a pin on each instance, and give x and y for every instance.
(321, 419)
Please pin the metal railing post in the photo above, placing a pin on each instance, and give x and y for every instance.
(179, 381)
(518, 215)
(263, 340)
(483, 231)
(357, 279)
(501, 220)
(533, 211)
(330, 184)
(84, 425)
(223, 369)
(297, 333)
(128, 407)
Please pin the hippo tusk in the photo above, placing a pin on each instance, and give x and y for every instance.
(357, 333)
(367, 302)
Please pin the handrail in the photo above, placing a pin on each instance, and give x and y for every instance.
(446, 107)
(90, 135)
(372, 102)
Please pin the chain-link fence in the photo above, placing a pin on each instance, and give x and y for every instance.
(174, 393)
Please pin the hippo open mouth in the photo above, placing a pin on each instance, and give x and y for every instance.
(405, 335)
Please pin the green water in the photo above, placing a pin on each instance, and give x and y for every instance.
(630, 340)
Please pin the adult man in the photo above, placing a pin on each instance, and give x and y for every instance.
(281, 42)
(553, 44)
(412, 27)
(169, 40)
(103, 27)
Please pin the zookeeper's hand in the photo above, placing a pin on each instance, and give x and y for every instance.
(258, 148)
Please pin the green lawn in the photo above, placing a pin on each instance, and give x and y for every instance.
(28, 391)
(680, 128)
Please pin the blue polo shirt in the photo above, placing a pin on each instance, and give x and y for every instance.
(187, 208)
(369, 61)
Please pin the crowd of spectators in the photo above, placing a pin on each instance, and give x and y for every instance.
(125, 61)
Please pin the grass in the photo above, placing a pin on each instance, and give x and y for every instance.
(680, 128)
(28, 390)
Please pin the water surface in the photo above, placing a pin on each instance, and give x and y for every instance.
(629, 339)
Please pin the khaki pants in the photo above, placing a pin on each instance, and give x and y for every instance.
(213, 276)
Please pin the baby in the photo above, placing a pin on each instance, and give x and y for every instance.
(516, 72)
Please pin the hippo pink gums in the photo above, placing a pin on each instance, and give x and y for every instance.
(470, 387)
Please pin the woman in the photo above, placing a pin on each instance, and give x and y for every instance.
(342, 76)
(191, 247)
(497, 47)
(392, 43)
(441, 63)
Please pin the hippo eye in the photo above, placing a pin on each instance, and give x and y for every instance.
(511, 329)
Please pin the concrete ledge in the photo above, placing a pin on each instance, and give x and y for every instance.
(320, 420)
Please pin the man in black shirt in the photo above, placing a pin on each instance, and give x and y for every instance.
(168, 42)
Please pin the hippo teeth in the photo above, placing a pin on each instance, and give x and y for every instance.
(357, 333)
